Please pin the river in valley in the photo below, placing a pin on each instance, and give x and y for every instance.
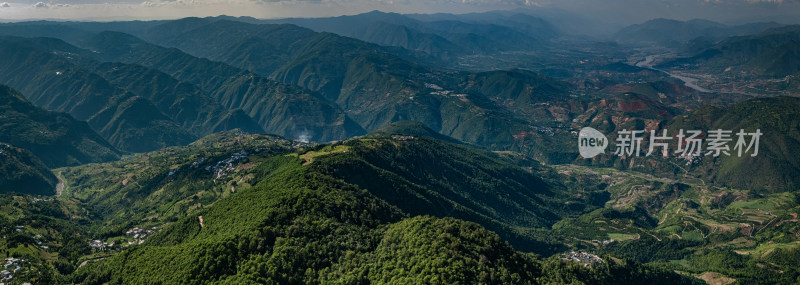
(688, 81)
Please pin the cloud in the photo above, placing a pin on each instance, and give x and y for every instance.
(503, 2)
(50, 5)
(747, 1)
(614, 13)
(192, 3)
(4, 5)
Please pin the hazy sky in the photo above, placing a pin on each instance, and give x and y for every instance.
(613, 11)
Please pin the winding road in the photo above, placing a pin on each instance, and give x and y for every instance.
(60, 185)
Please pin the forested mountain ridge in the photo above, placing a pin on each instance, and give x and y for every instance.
(372, 86)
(22, 172)
(774, 166)
(55, 138)
(675, 32)
(347, 87)
(407, 149)
(61, 81)
(304, 221)
(278, 108)
(771, 53)
(445, 37)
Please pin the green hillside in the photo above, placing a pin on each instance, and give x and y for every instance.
(427, 177)
(136, 125)
(775, 166)
(346, 87)
(55, 138)
(55, 80)
(771, 53)
(161, 187)
(387, 148)
(21, 172)
(781, 61)
(48, 234)
(185, 103)
(304, 221)
(690, 226)
(277, 108)
(345, 75)
(529, 95)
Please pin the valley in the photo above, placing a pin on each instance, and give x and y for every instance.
(691, 82)
(395, 148)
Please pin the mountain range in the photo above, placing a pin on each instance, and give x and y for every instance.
(441, 36)
(57, 139)
(320, 215)
(771, 53)
(391, 148)
(675, 32)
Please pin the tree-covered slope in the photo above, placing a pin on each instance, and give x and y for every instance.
(771, 53)
(424, 176)
(303, 224)
(55, 138)
(183, 102)
(775, 166)
(44, 235)
(22, 172)
(278, 108)
(49, 72)
(136, 125)
(375, 87)
(160, 187)
(782, 61)
(346, 87)
(317, 64)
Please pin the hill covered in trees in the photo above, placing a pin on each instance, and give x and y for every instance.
(308, 219)
(55, 138)
(22, 172)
